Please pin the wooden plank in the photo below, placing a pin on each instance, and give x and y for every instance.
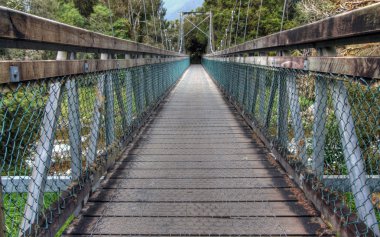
(358, 26)
(302, 226)
(193, 195)
(22, 30)
(198, 165)
(200, 152)
(368, 67)
(197, 173)
(194, 158)
(148, 145)
(206, 183)
(35, 70)
(232, 209)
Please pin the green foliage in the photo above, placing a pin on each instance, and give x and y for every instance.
(99, 20)
(122, 28)
(14, 204)
(85, 7)
(18, 109)
(70, 15)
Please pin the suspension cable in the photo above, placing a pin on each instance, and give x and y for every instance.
(159, 19)
(237, 24)
(146, 22)
(283, 15)
(231, 23)
(258, 21)
(154, 21)
(111, 20)
(246, 20)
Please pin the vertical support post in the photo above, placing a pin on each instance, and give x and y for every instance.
(74, 129)
(42, 158)
(282, 110)
(319, 134)
(273, 90)
(262, 89)
(74, 124)
(141, 86)
(255, 85)
(295, 111)
(109, 108)
(353, 156)
(120, 102)
(96, 119)
(129, 90)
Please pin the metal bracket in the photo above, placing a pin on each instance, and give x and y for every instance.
(86, 68)
(306, 65)
(14, 74)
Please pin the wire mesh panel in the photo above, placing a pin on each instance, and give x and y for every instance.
(325, 125)
(56, 133)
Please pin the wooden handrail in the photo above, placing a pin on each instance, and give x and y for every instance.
(22, 30)
(358, 26)
(368, 67)
(36, 70)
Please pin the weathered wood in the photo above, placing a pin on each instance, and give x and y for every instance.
(219, 209)
(35, 70)
(358, 26)
(248, 226)
(353, 66)
(194, 195)
(190, 186)
(22, 30)
(197, 173)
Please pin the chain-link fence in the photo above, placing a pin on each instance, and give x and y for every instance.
(56, 133)
(326, 126)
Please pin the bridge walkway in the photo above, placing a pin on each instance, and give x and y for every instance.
(197, 171)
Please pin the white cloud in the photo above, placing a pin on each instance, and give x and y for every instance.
(175, 6)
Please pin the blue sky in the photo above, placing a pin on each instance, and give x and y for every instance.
(175, 6)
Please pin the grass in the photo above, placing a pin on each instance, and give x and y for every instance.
(14, 204)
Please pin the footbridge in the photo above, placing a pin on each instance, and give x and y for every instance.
(118, 138)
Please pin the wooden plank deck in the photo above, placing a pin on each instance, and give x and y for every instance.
(196, 171)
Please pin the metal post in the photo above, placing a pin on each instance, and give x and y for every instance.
(273, 90)
(96, 119)
(262, 88)
(42, 158)
(74, 123)
(353, 156)
(282, 110)
(319, 130)
(121, 103)
(129, 90)
(295, 111)
(74, 129)
(320, 107)
(109, 109)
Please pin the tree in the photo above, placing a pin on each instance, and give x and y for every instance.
(85, 7)
(70, 15)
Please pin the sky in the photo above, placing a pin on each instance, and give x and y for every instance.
(175, 6)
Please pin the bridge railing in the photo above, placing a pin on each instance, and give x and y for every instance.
(318, 115)
(64, 122)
